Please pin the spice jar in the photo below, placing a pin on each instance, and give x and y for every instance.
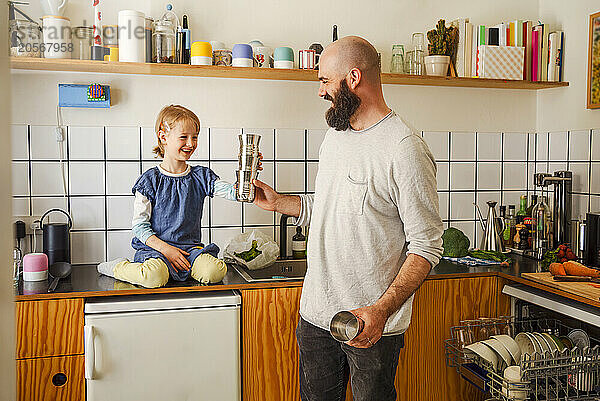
(24, 38)
(164, 42)
(83, 37)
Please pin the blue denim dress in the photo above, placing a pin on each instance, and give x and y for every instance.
(177, 204)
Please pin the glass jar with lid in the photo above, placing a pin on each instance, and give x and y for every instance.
(25, 38)
(164, 42)
(83, 37)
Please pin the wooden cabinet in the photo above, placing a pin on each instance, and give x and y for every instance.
(270, 353)
(269, 348)
(49, 328)
(49, 350)
(57, 378)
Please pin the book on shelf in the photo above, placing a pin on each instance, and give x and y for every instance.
(459, 61)
(555, 56)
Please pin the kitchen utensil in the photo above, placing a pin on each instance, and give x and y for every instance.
(397, 64)
(511, 346)
(242, 55)
(500, 350)
(567, 342)
(526, 344)
(536, 343)
(35, 267)
(545, 346)
(306, 59)
(164, 42)
(58, 270)
(345, 326)
(57, 238)
(579, 338)
(132, 39)
(491, 240)
(318, 48)
(217, 45)
(485, 352)
(54, 7)
(83, 37)
(245, 190)
(201, 53)
(56, 31)
(516, 389)
(550, 341)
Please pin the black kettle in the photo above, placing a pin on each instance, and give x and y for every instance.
(57, 238)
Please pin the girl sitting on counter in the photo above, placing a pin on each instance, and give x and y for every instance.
(169, 199)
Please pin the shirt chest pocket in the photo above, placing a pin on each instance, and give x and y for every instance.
(352, 195)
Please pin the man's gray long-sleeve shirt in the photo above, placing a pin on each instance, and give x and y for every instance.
(375, 202)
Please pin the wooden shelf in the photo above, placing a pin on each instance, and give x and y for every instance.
(40, 64)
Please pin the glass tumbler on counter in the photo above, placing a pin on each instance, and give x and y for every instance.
(164, 42)
(397, 64)
(83, 37)
(25, 38)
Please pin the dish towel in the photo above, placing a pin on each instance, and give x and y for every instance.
(471, 261)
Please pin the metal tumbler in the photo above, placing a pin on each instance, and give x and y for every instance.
(345, 326)
(248, 159)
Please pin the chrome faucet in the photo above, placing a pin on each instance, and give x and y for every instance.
(561, 205)
(283, 236)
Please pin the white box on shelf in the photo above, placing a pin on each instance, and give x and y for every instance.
(501, 62)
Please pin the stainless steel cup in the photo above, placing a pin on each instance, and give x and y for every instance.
(244, 186)
(249, 141)
(344, 326)
(248, 161)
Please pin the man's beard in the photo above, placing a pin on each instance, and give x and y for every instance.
(344, 106)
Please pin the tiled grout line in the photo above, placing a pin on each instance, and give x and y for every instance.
(476, 196)
(29, 170)
(449, 150)
(106, 198)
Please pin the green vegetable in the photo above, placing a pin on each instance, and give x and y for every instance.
(489, 255)
(549, 258)
(456, 243)
(250, 254)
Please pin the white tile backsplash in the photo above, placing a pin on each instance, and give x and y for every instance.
(462, 176)
(88, 213)
(489, 146)
(19, 142)
(120, 177)
(20, 178)
(289, 177)
(122, 143)
(559, 146)
(462, 146)
(119, 245)
(515, 146)
(579, 145)
(119, 211)
(314, 139)
(580, 205)
(289, 144)
(471, 167)
(43, 143)
(88, 247)
(46, 178)
(86, 143)
(86, 178)
(224, 143)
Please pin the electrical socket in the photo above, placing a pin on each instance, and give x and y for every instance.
(29, 222)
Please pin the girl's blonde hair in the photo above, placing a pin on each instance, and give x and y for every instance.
(166, 120)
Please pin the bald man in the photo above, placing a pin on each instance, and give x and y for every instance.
(375, 230)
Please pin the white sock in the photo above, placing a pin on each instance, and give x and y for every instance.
(107, 268)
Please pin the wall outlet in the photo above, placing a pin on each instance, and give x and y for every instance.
(29, 222)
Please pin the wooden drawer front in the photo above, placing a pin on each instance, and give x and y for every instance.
(57, 379)
(49, 328)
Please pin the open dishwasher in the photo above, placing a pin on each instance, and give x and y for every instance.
(558, 354)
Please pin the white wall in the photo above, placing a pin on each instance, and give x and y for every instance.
(7, 309)
(564, 108)
(239, 103)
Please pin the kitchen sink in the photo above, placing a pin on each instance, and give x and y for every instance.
(281, 270)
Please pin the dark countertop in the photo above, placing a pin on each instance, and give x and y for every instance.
(86, 282)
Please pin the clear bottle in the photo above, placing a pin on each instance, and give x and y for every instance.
(164, 42)
(25, 38)
(83, 38)
(509, 227)
(541, 225)
(299, 244)
(522, 209)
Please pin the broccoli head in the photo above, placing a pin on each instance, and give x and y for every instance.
(456, 243)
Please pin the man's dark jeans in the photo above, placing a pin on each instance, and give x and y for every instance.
(326, 364)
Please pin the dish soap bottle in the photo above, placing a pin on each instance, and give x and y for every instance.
(299, 244)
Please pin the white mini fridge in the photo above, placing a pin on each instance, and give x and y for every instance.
(165, 347)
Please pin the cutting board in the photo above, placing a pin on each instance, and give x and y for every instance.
(582, 289)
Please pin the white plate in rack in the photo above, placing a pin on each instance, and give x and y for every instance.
(511, 346)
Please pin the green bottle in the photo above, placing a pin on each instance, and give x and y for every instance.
(522, 210)
(299, 244)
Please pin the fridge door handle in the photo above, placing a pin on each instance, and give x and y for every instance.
(89, 356)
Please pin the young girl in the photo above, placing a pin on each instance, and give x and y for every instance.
(168, 207)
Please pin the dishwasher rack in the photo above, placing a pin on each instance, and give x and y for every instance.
(568, 375)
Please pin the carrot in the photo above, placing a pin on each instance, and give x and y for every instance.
(577, 269)
(557, 269)
(595, 285)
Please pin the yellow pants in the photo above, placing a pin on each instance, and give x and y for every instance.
(154, 273)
